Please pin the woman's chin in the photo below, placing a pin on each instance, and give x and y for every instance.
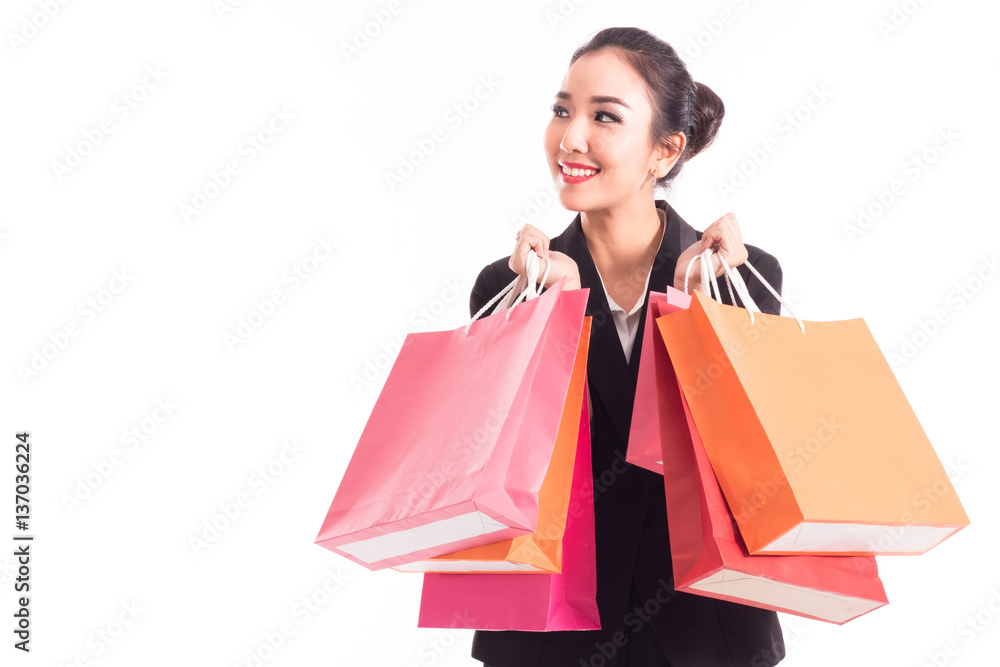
(576, 201)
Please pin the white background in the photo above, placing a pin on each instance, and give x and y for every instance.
(190, 282)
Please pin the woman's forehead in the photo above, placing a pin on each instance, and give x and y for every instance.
(603, 73)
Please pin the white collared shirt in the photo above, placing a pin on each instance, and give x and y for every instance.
(627, 324)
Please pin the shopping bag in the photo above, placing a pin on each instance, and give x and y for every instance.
(810, 435)
(655, 389)
(709, 557)
(524, 600)
(541, 551)
(456, 447)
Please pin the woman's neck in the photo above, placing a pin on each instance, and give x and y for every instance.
(624, 234)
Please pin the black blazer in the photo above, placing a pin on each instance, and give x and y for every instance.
(629, 502)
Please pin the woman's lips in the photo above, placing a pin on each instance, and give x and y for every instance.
(577, 173)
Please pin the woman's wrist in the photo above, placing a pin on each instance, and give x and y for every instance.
(563, 266)
(692, 285)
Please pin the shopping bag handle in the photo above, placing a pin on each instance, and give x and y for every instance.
(733, 278)
(518, 289)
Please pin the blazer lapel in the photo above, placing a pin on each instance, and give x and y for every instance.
(678, 236)
(611, 377)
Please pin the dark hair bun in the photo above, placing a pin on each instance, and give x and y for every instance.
(705, 120)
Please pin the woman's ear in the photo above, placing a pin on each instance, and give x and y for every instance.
(668, 154)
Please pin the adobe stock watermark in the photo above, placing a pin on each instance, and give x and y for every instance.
(912, 169)
(122, 106)
(899, 15)
(720, 361)
(370, 30)
(792, 631)
(431, 650)
(787, 126)
(218, 180)
(635, 619)
(87, 310)
(257, 483)
(223, 8)
(921, 502)
(301, 612)
(794, 459)
(420, 320)
(108, 634)
(264, 308)
(454, 117)
(535, 205)
(971, 626)
(607, 478)
(561, 12)
(131, 439)
(957, 298)
(32, 24)
(711, 30)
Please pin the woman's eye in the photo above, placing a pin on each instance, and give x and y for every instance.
(614, 118)
(559, 111)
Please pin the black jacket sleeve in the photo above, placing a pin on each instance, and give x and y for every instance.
(770, 269)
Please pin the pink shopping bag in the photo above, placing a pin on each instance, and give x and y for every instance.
(542, 550)
(456, 448)
(523, 600)
(655, 390)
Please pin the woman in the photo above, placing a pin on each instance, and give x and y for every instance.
(626, 118)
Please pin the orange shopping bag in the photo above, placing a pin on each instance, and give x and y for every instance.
(813, 442)
(540, 551)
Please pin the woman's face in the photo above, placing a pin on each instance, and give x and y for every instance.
(601, 121)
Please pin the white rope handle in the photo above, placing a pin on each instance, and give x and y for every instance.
(776, 295)
(708, 280)
(734, 278)
(532, 290)
(517, 289)
(704, 274)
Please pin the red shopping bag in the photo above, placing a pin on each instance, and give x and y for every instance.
(655, 390)
(524, 600)
(709, 557)
(456, 448)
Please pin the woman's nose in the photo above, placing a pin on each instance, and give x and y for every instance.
(574, 139)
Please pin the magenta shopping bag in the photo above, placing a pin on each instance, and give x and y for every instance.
(455, 450)
(526, 600)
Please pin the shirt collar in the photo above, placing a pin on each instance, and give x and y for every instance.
(641, 302)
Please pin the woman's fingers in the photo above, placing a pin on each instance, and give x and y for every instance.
(725, 238)
(725, 235)
(529, 239)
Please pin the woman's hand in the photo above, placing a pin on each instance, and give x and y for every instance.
(726, 233)
(531, 239)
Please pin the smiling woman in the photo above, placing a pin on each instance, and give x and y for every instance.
(625, 119)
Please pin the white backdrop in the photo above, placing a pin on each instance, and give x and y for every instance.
(201, 252)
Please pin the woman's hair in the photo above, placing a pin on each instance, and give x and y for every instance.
(680, 104)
